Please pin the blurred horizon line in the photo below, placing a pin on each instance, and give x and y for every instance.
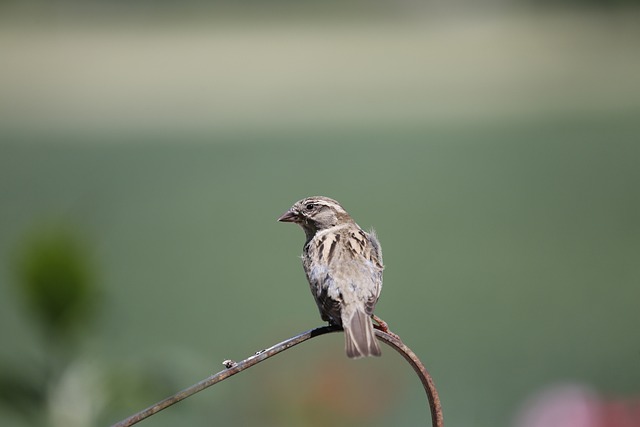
(234, 77)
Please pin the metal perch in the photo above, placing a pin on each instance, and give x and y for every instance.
(234, 368)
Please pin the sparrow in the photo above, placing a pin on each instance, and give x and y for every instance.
(343, 265)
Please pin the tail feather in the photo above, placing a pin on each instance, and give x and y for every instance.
(360, 338)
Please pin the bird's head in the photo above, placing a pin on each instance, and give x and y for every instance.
(316, 213)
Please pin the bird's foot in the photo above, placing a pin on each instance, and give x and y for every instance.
(383, 326)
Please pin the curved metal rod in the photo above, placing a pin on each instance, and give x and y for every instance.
(394, 342)
(234, 368)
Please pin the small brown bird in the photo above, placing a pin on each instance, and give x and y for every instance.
(344, 267)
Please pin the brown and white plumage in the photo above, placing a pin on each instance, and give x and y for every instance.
(344, 267)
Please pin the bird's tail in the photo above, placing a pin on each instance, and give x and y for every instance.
(360, 338)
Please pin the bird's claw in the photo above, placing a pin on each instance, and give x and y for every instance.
(384, 327)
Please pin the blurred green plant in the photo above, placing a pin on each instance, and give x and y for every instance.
(56, 278)
(56, 281)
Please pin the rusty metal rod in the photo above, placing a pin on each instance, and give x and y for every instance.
(234, 368)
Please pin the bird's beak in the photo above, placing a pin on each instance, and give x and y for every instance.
(289, 216)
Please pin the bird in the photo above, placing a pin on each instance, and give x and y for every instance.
(343, 265)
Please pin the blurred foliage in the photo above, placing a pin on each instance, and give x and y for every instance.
(21, 395)
(56, 281)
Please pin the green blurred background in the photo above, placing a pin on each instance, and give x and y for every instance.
(147, 148)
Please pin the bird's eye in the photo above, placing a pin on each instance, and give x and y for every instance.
(310, 206)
